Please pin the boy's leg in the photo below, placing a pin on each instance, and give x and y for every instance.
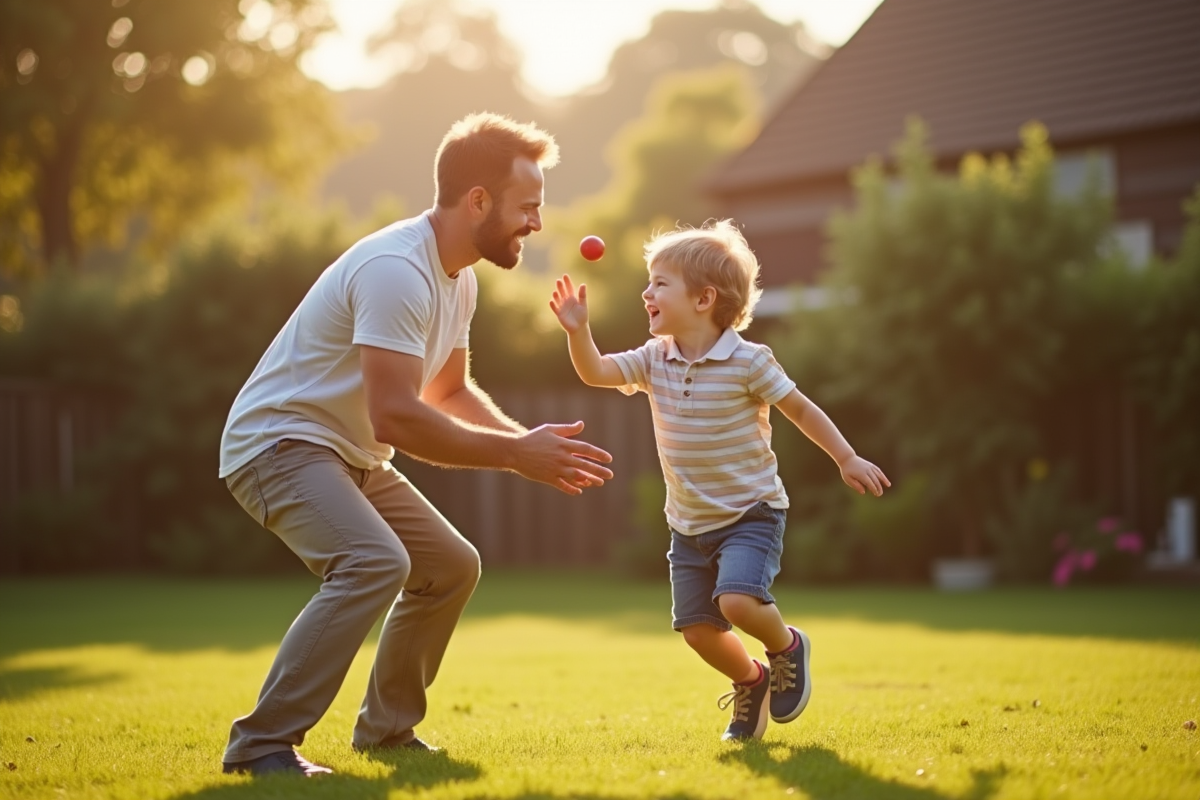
(445, 570)
(758, 618)
(748, 559)
(721, 650)
(706, 631)
(311, 499)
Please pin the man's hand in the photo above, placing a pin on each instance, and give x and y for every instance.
(861, 475)
(548, 455)
(570, 308)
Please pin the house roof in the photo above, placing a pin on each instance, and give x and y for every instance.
(976, 71)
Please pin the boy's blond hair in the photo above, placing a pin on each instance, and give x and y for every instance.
(717, 255)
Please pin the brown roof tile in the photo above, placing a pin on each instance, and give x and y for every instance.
(976, 70)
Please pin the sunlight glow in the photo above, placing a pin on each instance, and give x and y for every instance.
(565, 44)
(197, 70)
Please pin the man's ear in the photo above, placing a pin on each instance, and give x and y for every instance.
(479, 201)
(707, 299)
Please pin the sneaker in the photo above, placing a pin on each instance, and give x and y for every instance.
(791, 682)
(750, 708)
(285, 761)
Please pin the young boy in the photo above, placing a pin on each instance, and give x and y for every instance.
(710, 395)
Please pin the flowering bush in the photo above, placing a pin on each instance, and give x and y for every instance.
(1109, 552)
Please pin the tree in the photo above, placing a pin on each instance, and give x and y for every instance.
(773, 58)
(454, 61)
(691, 121)
(110, 110)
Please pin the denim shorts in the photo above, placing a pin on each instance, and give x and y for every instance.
(741, 558)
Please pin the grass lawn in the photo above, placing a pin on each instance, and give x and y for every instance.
(574, 686)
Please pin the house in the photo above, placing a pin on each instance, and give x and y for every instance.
(1116, 82)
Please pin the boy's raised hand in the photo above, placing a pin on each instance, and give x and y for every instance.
(863, 476)
(570, 308)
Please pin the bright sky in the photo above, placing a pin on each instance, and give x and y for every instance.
(557, 60)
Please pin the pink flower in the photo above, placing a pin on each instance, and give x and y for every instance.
(1064, 569)
(1062, 541)
(1129, 542)
(1107, 524)
(1087, 560)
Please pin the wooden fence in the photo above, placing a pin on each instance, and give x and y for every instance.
(44, 432)
(514, 521)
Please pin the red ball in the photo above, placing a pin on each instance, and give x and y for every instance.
(592, 248)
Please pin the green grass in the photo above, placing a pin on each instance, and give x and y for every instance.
(574, 686)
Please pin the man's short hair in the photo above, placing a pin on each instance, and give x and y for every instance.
(479, 150)
(715, 255)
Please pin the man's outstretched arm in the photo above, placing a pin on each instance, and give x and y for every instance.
(453, 392)
(401, 418)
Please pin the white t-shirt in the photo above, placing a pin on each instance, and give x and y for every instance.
(388, 290)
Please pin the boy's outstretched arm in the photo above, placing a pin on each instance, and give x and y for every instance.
(572, 312)
(858, 473)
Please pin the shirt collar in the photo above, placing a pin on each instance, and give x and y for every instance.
(720, 351)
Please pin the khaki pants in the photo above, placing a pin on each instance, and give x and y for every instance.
(376, 543)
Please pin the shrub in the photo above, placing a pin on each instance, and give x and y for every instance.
(973, 314)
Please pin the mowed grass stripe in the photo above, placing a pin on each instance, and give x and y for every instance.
(574, 686)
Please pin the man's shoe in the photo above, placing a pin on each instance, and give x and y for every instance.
(416, 744)
(791, 682)
(285, 761)
(387, 744)
(750, 708)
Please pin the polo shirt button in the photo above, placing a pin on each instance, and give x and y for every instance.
(687, 393)
(687, 380)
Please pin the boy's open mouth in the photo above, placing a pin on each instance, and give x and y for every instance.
(652, 311)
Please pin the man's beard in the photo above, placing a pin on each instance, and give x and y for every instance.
(493, 242)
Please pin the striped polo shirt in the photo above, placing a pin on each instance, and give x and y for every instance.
(712, 425)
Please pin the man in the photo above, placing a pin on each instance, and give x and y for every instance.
(374, 360)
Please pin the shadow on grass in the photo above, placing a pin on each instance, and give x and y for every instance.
(412, 772)
(20, 684)
(574, 796)
(416, 770)
(241, 614)
(1135, 613)
(156, 613)
(823, 775)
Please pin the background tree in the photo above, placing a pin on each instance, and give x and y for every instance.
(774, 59)
(111, 110)
(454, 60)
(691, 120)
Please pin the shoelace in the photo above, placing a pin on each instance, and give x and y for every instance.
(783, 673)
(739, 698)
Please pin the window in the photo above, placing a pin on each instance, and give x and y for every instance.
(1072, 170)
(1135, 238)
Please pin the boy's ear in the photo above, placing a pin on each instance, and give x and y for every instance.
(707, 299)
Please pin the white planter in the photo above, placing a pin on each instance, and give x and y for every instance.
(1181, 529)
(963, 574)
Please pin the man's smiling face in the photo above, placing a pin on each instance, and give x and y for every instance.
(515, 214)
